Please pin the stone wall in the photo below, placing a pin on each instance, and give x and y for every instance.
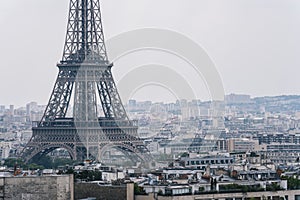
(37, 188)
(85, 190)
(130, 191)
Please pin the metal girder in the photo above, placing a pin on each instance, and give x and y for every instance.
(85, 72)
(115, 100)
(110, 98)
(85, 104)
(45, 140)
(84, 38)
(60, 97)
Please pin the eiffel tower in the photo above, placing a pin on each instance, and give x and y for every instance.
(85, 75)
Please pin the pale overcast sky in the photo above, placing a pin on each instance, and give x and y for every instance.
(255, 44)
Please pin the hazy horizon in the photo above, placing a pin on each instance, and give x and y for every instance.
(141, 100)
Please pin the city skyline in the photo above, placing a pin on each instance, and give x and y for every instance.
(202, 102)
(255, 53)
(227, 99)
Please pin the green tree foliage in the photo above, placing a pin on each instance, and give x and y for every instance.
(34, 166)
(45, 162)
(273, 187)
(201, 189)
(16, 162)
(292, 183)
(242, 188)
(89, 175)
(138, 190)
(12, 162)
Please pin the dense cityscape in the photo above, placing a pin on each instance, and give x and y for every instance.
(86, 143)
(252, 147)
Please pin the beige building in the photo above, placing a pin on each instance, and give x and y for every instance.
(273, 195)
(242, 145)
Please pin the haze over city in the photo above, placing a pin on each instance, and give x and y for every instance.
(162, 100)
(254, 44)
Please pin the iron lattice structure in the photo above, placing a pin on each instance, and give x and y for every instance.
(85, 74)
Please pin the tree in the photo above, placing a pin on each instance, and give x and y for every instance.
(34, 166)
(89, 175)
(12, 162)
(201, 189)
(292, 183)
(138, 190)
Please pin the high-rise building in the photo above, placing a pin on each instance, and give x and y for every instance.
(11, 109)
(237, 98)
